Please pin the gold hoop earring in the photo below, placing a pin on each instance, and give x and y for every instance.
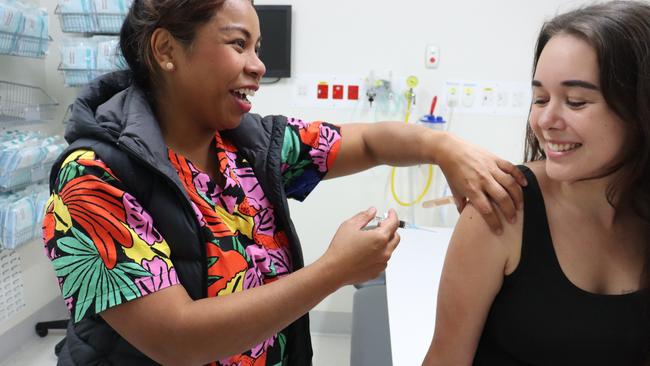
(169, 66)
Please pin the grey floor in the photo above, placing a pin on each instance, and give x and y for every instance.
(329, 350)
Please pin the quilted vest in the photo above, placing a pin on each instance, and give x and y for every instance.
(113, 118)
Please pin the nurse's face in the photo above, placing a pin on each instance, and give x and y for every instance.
(216, 76)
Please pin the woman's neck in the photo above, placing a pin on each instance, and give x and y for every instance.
(590, 197)
(188, 137)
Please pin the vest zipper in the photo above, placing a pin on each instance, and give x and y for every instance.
(186, 207)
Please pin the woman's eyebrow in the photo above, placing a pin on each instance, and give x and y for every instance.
(570, 84)
(580, 84)
(231, 28)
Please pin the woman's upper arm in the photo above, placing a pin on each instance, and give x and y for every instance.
(353, 155)
(150, 322)
(471, 278)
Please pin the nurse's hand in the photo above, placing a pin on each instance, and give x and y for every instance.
(357, 255)
(477, 176)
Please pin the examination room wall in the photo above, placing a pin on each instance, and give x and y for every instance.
(478, 41)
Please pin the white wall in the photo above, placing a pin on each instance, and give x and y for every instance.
(479, 40)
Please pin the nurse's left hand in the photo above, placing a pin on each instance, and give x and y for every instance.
(483, 179)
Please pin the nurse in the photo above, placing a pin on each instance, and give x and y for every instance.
(168, 225)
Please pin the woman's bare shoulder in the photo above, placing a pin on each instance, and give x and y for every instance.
(544, 182)
(538, 167)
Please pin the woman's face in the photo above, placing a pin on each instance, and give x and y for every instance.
(580, 134)
(216, 76)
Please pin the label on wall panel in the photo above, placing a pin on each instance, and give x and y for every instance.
(12, 297)
(495, 98)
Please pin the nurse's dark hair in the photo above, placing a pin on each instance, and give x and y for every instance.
(619, 32)
(182, 18)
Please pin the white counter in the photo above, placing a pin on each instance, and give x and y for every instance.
(412, 280)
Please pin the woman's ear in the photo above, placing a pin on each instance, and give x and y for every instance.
(164, 47)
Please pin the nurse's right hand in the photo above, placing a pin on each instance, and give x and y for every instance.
(357, 255)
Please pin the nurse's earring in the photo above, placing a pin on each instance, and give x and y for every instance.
(169, 66)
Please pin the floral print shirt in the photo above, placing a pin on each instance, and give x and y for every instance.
(106, 250)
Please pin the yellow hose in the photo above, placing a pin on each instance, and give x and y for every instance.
(392, 174)
(419, 198)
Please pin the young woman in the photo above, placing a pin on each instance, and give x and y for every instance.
(565, 284)
(168, 225)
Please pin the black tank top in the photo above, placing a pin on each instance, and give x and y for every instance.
(540, 318)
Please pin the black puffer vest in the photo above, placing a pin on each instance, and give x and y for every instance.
(113, 118)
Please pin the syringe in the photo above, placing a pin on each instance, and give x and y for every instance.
(402, 224)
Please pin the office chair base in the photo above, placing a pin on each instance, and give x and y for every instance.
(43, 328)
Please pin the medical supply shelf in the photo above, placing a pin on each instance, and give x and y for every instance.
(12, 240)
(26, 158)
(90, 22)
(24, 38)
(84, 60)
(21, 215)
(22, 104)
(24, 46)
(23, 177)
(80, 77)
